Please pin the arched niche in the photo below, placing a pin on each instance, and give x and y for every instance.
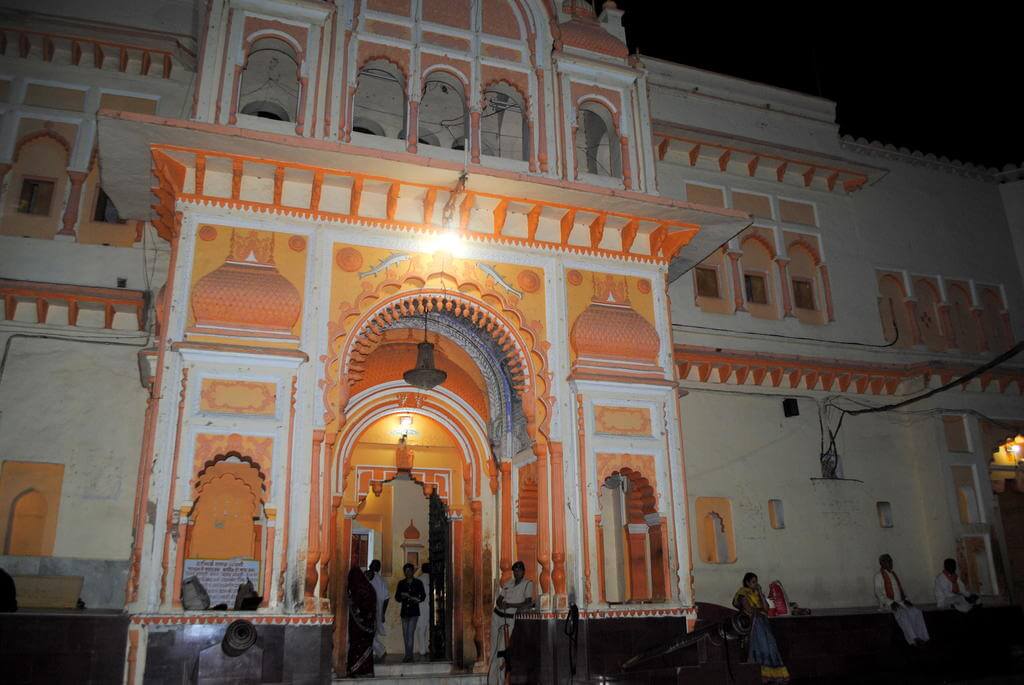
(965, 328)
(929, 322)
(597, 141)
(632, 545)
(892, 308)
(992, 326)
(27, 525)
(270, 86)
(379, 105)
(504, 127)
(227, 518)
(806, 282)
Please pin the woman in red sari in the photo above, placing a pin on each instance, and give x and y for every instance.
(362, 623)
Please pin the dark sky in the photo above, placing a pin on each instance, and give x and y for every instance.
(944, 81)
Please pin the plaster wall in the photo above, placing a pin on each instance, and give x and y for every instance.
(81, 405)
(1013, 203)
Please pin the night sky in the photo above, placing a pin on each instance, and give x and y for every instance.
(942, 81)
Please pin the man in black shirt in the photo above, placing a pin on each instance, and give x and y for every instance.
(409, 593)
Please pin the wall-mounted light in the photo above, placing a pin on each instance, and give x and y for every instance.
(1010, 452)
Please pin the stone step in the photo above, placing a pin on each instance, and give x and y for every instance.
(394, 671)
(442, 679)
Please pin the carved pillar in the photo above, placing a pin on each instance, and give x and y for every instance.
(582, 481)
(141, 495)
(474, 136)
(169, 524)
(476, 508)
(268, 556)
(328, 524)
(179, 562)
(558, 522)
(543, 518)
(542, 139)
(737, 283)
(346, 115)
(412, 127)
(313, 530)
(74, 201)
(627, 175)
(826, 285)
(236, 84)
(340, 637)
(532, 157)
(787, 298)
(300, 118)
(458, 605)
(505, 559)
(948, 332)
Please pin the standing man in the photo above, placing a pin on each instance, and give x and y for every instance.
(410, 593)
(422, 641)
(514, 596)
(890, 595)
(948, 593)
(380, 587)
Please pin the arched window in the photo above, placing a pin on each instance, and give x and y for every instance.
(503, 124)
(805, 279)
(379, 107)
(758, 281)
(597, 142)
(892, 307)
(443, 117)
(25, 530)
(270, 84)
(35, 193)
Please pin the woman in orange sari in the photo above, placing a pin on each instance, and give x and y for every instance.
(763, 650)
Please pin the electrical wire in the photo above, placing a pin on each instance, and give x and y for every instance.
(791, 337)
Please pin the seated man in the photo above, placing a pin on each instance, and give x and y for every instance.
(948, 592)
(889, 591)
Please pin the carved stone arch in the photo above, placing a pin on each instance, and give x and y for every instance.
(359, 327)
(225, 457)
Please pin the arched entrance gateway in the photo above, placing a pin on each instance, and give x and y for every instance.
(424, 475)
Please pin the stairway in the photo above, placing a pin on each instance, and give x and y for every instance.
(394, 672)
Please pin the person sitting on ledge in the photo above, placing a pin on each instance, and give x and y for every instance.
(948, 594)
(516, 595)
(890, 595)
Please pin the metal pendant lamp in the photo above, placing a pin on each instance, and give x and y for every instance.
(425, 375)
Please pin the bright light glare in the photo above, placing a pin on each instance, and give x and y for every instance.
(405, 421)
(448, 242)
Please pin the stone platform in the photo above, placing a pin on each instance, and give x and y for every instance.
(855, 646)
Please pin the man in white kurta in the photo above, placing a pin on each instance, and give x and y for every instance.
(422, 637)
(380, 587)
(949, 592)
(516, 595)
(890, 595)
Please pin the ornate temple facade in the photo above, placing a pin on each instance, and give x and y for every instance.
(228, 227)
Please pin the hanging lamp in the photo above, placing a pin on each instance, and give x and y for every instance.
(425, 375)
